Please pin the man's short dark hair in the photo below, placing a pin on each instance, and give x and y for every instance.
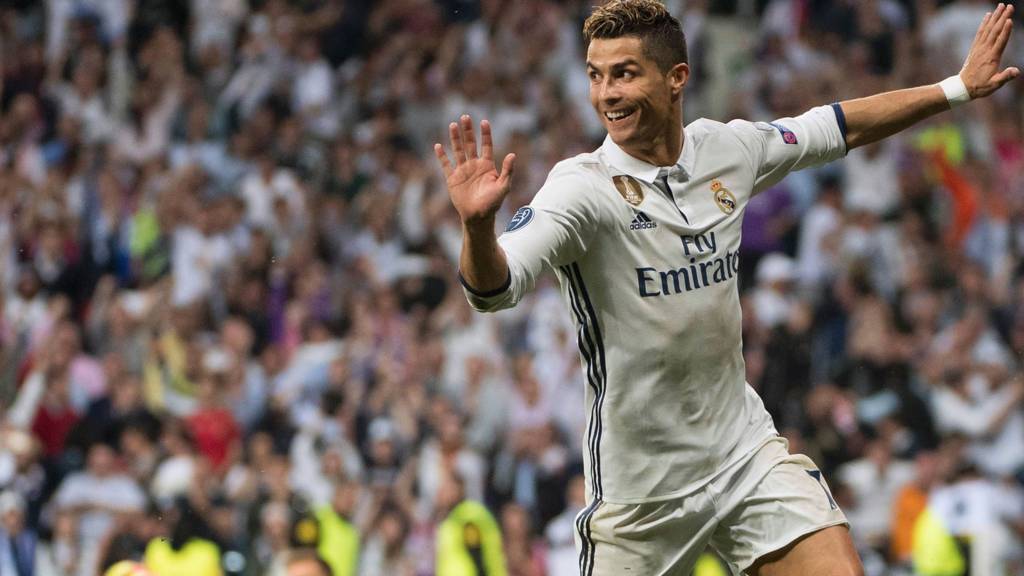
(661, 34)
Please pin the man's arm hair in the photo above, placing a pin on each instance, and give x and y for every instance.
(882, 115)
(876, 117)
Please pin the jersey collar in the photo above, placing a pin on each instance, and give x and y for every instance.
(682, 170)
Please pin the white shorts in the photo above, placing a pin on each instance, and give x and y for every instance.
(756, 507)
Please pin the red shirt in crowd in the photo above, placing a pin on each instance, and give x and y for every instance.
(51, 425)
(214, 430)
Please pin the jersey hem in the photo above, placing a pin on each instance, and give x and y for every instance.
(698, 485)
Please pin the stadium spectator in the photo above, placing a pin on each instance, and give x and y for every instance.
(562, 557)
(184, 545)
(525, 554)
(982, 516)
(469, 539)
(100, 495)
(873, 481)
(910, 502)
(385, 551)
(339, 540)
(18, 542)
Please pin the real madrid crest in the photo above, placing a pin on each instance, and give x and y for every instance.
(725, 200)
(629, 188)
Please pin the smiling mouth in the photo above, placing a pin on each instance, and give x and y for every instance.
(619, 115)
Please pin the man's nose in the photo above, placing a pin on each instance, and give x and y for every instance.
(609, 92)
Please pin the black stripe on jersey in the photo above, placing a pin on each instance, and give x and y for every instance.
(589, 352)
(596, 425)
(487, 293)
(584, 547)
(587, 546)
(643, 217)
(603, 381)
(594, 356)
(840, 119)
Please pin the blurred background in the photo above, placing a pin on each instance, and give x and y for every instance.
(230, 325)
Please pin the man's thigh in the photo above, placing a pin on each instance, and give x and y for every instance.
(827, 552)
(653, 539)
(789, 504)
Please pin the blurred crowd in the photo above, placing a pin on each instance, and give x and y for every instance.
(230, 325)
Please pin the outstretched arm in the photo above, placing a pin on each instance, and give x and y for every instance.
(876, 117)
(477, 191)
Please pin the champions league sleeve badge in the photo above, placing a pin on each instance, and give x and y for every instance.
(520, 219)
(725, 200)
(788, 136)
(629, 188)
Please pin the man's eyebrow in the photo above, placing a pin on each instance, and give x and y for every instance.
(617, 65)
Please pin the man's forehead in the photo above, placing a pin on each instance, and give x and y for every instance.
(604, 52)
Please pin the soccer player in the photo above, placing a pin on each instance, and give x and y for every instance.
(643, 235)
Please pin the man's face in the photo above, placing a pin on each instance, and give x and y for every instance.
(631, 95)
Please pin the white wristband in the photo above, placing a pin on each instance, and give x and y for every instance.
(955, 90)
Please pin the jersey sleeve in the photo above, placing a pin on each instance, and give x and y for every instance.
(555, 229)
(787, 144)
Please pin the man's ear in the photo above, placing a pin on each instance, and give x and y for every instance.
(678, 76)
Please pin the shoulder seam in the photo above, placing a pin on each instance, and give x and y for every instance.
(742, 145)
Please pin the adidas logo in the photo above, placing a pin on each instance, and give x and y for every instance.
(642, 222)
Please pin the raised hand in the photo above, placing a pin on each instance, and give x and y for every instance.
(474, 184)
(981, 72)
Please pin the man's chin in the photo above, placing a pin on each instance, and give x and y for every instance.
(621, 137)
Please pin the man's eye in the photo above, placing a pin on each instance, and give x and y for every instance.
(628, 75)
(594, 76)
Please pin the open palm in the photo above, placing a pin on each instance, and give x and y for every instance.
(475, 186)
(981, 72)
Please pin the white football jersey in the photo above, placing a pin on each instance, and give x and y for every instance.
(649, 276)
